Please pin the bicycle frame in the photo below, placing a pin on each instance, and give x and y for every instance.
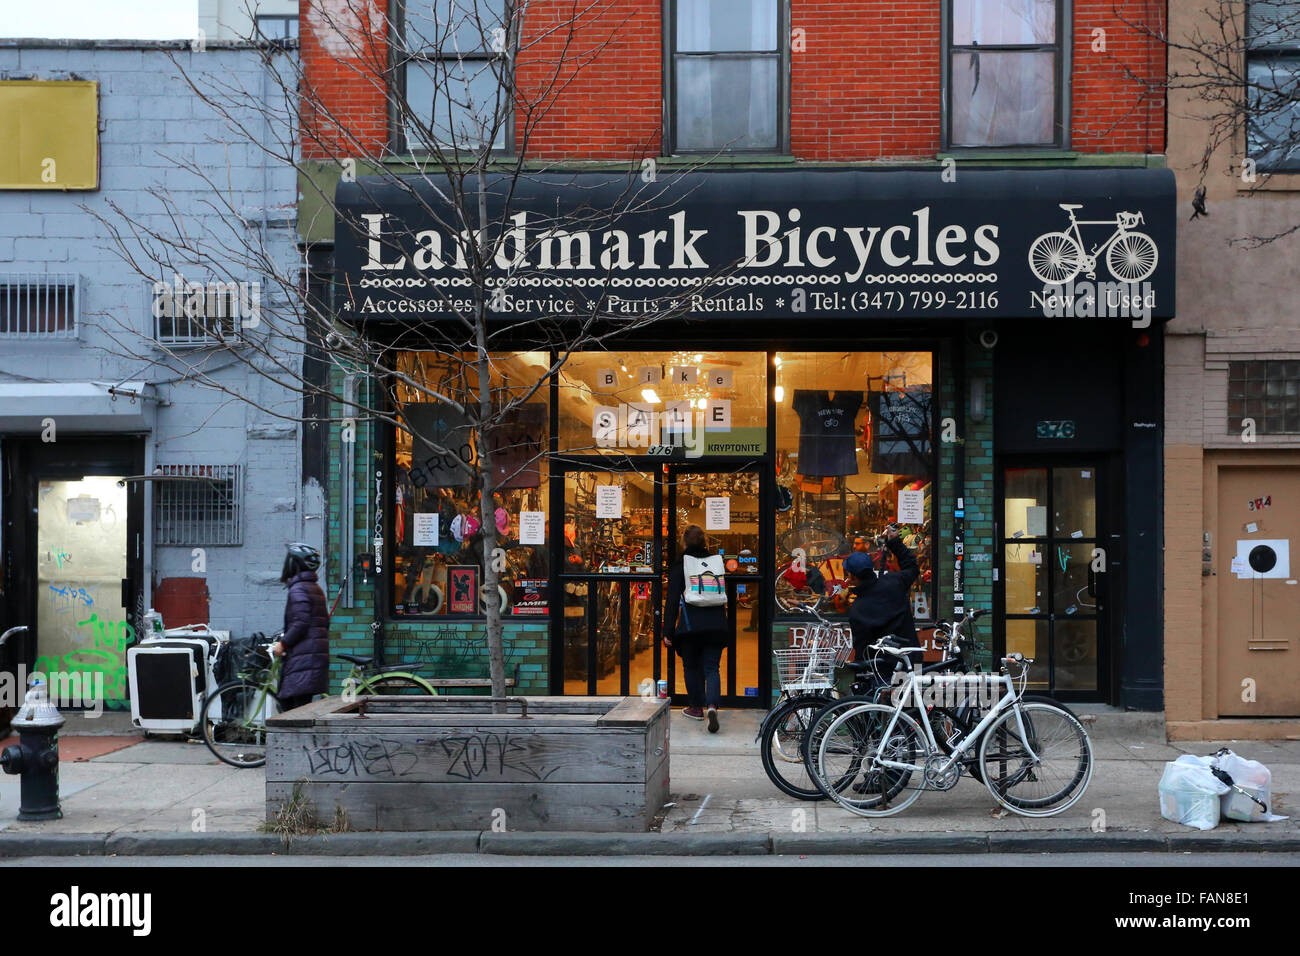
(913, 690)
(1097, 250)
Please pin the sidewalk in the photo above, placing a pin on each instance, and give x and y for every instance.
(165, 796)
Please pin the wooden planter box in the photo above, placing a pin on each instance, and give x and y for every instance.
(449, 763)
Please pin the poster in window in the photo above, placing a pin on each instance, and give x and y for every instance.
(424, 530)
(532, 527)
(911, 507)
(717, 514)
(530, 597)
(609, 501)
(462, 585)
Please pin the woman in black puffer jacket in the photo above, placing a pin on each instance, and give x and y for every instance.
(305, 645)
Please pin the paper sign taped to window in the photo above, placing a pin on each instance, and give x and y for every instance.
(911, 507)
(717, 514)
(83, 508)
(609, 501)
(1036, 519)
(718, 418)
(424, 530)
(532, 527)
(719, 378)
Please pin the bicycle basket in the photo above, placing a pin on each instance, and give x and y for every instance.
(832, 638)
(807, 668)
(245, 655)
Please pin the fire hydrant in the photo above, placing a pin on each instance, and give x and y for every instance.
(36, 755)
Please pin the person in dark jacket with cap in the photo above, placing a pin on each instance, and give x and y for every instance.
(305, 645)
(697, 634)
(884, 605)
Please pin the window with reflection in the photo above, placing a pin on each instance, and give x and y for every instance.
(689, 403)
(855, 453)
(437, 567)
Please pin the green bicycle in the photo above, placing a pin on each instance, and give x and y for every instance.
(234, 715)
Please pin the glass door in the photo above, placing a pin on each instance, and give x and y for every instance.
(609, 588)
(726, 505)
(622, 531)
(1052, 576)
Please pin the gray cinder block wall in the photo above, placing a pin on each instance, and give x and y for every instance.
(150, 121)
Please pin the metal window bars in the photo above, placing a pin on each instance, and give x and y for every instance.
(198, 505)
(39, 305)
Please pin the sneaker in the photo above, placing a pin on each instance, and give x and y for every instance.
(694, 713)
(713, 720)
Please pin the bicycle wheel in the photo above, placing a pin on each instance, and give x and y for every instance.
(812, 740)
(397, 684)
(1055, 257)
(1132, 257)
(791, 599)
(781, 745)
(1037, 764)
(234, 722)
(852, 743)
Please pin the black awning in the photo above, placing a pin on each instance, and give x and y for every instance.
(732, 244)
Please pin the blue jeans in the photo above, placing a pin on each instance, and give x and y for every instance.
(700, 669)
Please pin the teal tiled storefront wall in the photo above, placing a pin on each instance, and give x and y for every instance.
(446, 648)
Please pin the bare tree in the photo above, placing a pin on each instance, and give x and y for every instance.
(1239, 69)
(479, 76)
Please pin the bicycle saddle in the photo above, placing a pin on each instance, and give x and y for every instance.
(859, 666)
(353, 659)
(1067, 206)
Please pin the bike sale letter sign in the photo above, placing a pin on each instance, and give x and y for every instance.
(731, 244)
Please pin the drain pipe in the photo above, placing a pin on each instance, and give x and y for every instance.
(348, 497)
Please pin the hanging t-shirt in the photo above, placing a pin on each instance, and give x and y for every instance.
(826, 433)
(437, 423)
(517, 445)
(900, 436)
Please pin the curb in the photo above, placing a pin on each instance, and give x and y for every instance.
(421, 843)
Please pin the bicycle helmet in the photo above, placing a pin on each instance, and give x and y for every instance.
(300, 557)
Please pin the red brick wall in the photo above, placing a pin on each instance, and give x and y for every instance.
(866, 86)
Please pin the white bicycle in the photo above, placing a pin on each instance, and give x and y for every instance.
(1034, 756)
(1057, 257)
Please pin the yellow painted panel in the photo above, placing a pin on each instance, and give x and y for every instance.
(49, 134)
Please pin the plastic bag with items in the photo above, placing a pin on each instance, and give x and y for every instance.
(1189, 793)
(1250, 798)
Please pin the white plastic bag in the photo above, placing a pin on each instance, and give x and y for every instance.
(1189, 793)
(1253, 777)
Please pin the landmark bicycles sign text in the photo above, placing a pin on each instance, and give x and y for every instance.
(1090, 243)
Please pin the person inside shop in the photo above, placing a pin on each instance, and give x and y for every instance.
(305, 644)
(697, 634)
(883, 607)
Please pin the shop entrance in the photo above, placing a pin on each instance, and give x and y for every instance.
(622, 531)
(73, 528)
(1057, 559)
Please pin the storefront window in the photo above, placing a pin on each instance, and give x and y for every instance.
(854, 451)
(638, 403)
(438, 562)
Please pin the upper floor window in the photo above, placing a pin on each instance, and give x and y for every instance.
(1005, 73)
(1273, 82)
(450, 65)
(727, 64)
(276, 26)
